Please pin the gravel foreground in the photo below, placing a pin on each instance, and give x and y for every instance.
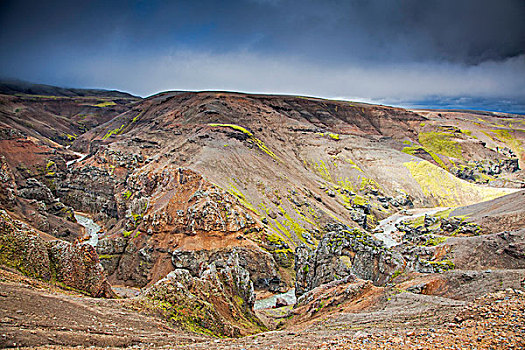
(494, 321)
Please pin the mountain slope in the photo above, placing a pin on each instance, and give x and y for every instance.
(203, 198)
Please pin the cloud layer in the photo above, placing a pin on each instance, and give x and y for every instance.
(382, 51)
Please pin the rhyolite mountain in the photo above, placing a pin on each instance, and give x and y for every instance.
(209, 200)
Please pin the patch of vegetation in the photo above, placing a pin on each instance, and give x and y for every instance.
(293, 225)
(443, 214)
(411, 150)
(113, 132)
(136, 217)
(444, 265)
(436, 240)
(369, 184)
(105, 104)
(353, 164)
(321, 168)
(234, 127)
(50, 166)
(127, 194)
(120, 129)
(360, 201)
(334, 136)
(447, 189)
(397, 273)
(242, 198)
(508, 138)
(257, 142)
(440, 143)
(108, 256)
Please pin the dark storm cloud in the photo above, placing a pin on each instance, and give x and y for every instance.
(322, 47)
(464, 31)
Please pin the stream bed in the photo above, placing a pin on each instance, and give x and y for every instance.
(388, 225)
(268, 303)
(81, 155)
(92, 228)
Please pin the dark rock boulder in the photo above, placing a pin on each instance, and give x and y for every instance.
(34, 189)
(90, 189)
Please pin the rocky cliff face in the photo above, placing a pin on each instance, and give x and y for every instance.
(345, 252)
(172, 209)
(214, 298)
(73, 265)
(263, 270)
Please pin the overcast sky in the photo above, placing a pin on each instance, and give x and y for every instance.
(429, 52)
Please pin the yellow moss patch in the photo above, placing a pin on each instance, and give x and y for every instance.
(440, 143)
(105, 104)
(259, 143)
(354, 165)
(447, 189)
(321, 168)
(242, 198)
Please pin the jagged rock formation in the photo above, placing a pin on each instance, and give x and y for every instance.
(216, 298)
(172, 209)
(73, 265)
(341, 253)
(261, 266)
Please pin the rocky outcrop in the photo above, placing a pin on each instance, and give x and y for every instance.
(189, 204)
(8, 188)
(341, 253)
(260, 264)
(35, 190)
(78, 266)
(23, 249)
(110, 250)
(90, 189)
(348, 293)
(455, 226)
(474, 170)
(218, 300)
(72, 265)
(176, 209)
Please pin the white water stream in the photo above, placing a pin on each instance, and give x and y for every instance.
(92, 228)
(81, 155)
(268, 303)
(388, 225)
